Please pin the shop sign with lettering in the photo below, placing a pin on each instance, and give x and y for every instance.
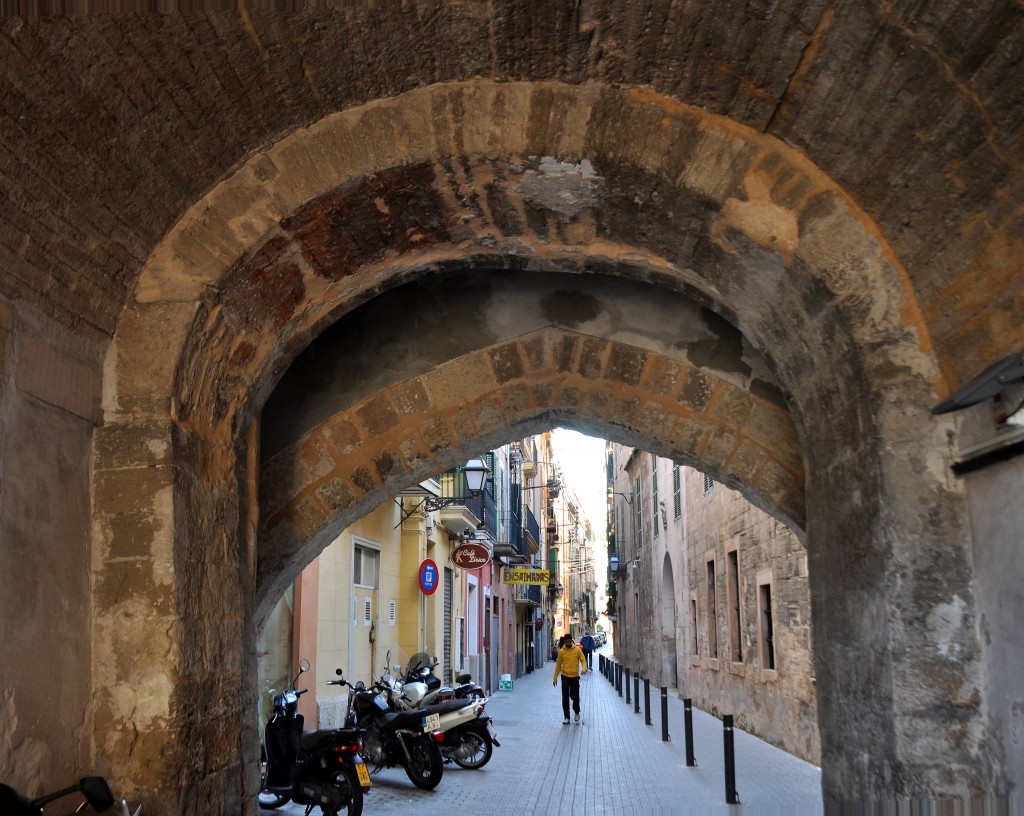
(470, 555)
(527, 576)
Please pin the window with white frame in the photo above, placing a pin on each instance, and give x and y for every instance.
(365, 566)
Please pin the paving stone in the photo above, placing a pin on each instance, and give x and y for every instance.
(610, 763)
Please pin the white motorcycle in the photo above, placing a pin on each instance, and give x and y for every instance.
(469, 733)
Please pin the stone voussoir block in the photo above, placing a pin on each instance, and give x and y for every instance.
(507, 362)
(377, 415)
(625, 364)
(591, 357)
(451, 384)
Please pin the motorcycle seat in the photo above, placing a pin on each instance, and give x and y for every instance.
(314, 740)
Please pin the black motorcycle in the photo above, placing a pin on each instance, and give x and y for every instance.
(94, 788)
(313, 768)
(392, 738)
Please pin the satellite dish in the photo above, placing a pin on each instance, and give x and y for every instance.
(990, 382)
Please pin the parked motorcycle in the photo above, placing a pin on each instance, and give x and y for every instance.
(311, 768)
(469, 733)
(395, 737)
(94, 788)
(421, 670)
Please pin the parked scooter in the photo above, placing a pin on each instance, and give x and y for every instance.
(469, 734)
(312, 768)
(97, 795)
(410, 739)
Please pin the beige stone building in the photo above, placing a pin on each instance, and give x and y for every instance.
(712, 598)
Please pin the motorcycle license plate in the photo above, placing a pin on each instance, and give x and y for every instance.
(492, 731)
(363, 774)
(431, 722)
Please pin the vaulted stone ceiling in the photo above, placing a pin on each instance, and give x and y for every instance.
(114, 124)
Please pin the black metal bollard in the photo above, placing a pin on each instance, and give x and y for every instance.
(664, 715)
(731, 797)
(636, 694)
(647, 701)
(691, 760)
(627, 686)
(618, 678)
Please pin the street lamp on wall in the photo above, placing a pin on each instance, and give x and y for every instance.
(475, 471)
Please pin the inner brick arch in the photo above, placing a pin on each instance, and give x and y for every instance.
(417, 428)
(538, 176)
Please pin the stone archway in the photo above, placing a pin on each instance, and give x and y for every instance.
(482, 175)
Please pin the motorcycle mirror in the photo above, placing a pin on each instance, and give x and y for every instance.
(398, 669)
(338, 672)
(97, 793)
(303, 665)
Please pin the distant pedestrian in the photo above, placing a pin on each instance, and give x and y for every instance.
(570, 663)
(587, 645)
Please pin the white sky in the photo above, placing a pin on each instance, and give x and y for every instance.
(583, 463)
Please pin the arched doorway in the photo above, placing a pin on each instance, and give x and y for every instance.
(742, 225)
(669, 628)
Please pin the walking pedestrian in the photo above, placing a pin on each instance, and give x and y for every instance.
(570, 663)
(587, 645)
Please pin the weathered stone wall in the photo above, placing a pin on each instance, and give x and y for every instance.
(779, 706)
(49, 398)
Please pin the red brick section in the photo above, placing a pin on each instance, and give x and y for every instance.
(416, 428)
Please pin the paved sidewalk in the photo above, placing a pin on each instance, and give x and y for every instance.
(612, 763)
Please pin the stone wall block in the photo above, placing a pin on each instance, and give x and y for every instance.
(388, 464)
(343, 435)
(595, 403)
(135, 444)
(516, 402)
(746, 460)
(567, 397)
(563, 353)
(720, 444)
(152, 332)
(506, 362)
(487, 416)
(776, 482)
(625, 364)
(437, 434)
(732, 405)
(127, 489)
(661, 376)
(543, 392)
(624, 408)
(306, 513)
(535, 350)
(689, 435)
(696, 391)
(652, 419)
(450, 385)
(591, 357)
(363, 480)
(336, 494)
(378, 415)
(409, 397)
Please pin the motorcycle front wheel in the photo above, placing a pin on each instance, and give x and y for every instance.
(425, 765)
(475, 750)
(347, 784)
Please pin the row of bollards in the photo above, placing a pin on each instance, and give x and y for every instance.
(619, 677)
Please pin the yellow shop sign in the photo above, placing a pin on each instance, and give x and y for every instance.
(527, 576)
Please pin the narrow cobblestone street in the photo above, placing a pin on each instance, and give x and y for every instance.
(611, 763)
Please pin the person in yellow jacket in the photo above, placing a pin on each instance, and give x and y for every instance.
(571, 663)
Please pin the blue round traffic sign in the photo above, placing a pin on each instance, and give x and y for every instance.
(429, 577)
